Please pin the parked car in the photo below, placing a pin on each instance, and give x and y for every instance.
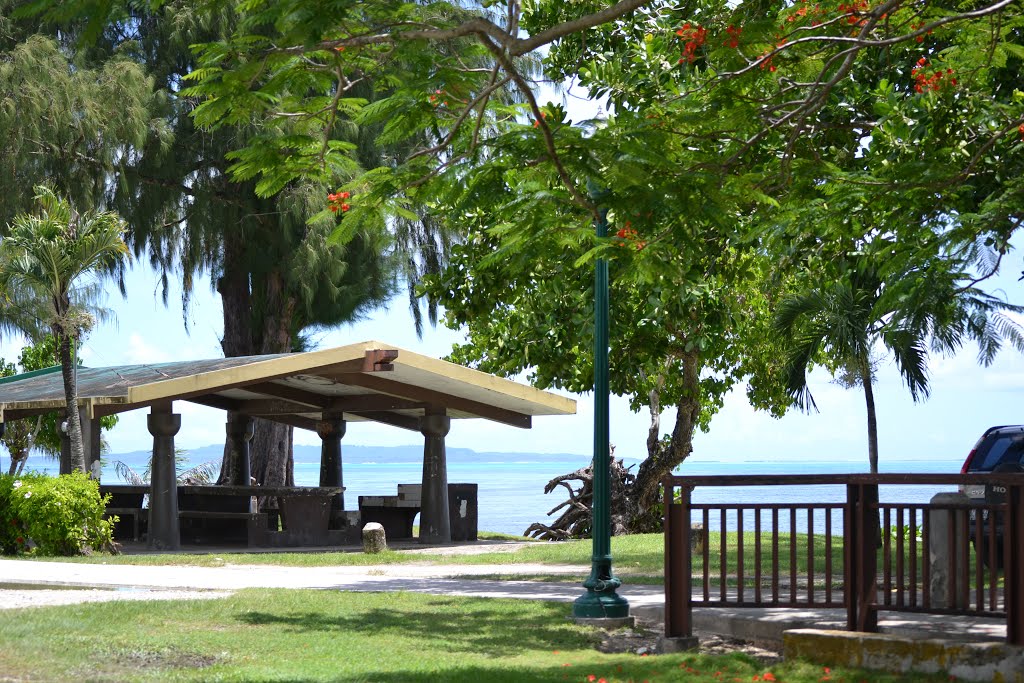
(1000, 449)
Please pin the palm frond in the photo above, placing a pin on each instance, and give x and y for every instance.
(129, 475)
(200, 474)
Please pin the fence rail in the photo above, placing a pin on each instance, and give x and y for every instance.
(956, 556)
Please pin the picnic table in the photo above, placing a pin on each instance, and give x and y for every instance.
(219, 514)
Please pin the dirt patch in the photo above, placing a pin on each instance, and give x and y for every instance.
(642, 639)
(168, 658)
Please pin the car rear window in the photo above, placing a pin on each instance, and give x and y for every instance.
(1006, 448)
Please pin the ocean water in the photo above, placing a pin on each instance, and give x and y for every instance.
(511, 486)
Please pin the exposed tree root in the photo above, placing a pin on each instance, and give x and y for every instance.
(575, 518)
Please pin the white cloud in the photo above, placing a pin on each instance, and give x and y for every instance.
(139, 351)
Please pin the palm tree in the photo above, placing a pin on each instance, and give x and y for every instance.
(909, 313)
(48, 252)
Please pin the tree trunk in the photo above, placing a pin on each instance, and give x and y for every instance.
(236, 298)
(272, 458)
(279, 316)
(236, 303)
(869, 399)
(663, 457)
(272, 462)
(67, 369)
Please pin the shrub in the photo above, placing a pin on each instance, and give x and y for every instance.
(60, 515)
(13, 531)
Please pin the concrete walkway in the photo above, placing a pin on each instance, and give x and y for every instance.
(420, 578)
(116, 581)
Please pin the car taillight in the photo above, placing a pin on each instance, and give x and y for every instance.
(967, 462)
(963, 470)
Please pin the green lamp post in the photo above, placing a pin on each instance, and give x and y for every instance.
(601, 601)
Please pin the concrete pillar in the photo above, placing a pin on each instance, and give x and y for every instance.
(330, 429)
(164, 533)
(948, 590)
(239, 430)
(435, 524)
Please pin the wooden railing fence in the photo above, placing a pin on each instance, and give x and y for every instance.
(858, 554)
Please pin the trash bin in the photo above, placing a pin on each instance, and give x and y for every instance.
(462, 511)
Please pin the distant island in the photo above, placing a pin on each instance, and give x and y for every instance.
(366, 454)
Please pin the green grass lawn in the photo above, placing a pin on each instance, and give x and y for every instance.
(304, 635)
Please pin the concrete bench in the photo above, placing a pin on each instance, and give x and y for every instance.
(212, 515)
(126, 504)
(137, 517)
(394, 513)
(397, 513)
(245, 513)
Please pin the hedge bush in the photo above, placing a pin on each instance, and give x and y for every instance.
(52, 515)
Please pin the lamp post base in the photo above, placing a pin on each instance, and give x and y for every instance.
(604, 607)
(605, 623)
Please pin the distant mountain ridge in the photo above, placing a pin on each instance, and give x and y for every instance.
(367, 454)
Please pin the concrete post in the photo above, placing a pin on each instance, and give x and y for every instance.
(239, 430)
(435, 524)
(947, 562)
(330, 430)
(164, 533)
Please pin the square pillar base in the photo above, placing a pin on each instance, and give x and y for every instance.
(681, 644)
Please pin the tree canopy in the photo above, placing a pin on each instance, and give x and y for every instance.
(746, 149)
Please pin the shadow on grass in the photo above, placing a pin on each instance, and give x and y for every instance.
(474, 626)
(498, 673)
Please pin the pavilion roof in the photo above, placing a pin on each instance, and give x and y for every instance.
(365, 381)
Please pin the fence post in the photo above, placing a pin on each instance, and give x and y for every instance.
(1013, 564)
(862, 557)
(678, 571)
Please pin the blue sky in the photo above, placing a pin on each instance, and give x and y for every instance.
(965, 397)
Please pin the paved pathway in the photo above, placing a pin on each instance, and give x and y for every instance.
(436, 579)
(137, 582)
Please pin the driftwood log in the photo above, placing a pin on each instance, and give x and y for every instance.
(575, 518)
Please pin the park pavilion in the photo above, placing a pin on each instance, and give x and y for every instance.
(317, 390)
